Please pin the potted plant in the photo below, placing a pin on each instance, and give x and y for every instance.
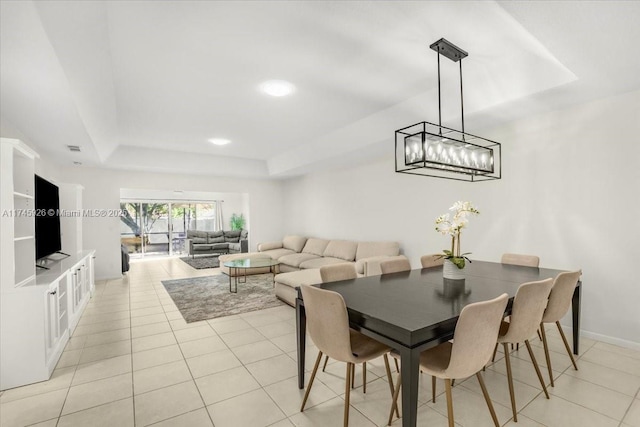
(453, 226)
(237, 221)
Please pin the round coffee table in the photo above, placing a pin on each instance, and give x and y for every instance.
(245, 264)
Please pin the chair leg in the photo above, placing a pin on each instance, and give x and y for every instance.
(313, 376)
(495, 350)
(353, 378)
(326, 359)
(397, 365)
(510, 380)
(538, 331)
(394, 399)
(517, 346)
(433, 389)
(364, 377)
(546, 354)
(347, 392)
(390, 380)
(487, 399)
(535, 365)
(447, 387)
(566, 345)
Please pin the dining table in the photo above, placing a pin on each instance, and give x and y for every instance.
(415, 310)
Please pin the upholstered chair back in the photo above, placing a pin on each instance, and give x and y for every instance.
(328, 322)
(335, 272)
(395, 265)
(528, 306)
(560, 297)
(475, 336)
(432, 260)
(519, 259)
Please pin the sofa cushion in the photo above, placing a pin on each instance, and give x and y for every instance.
(319, 262)
(295, 243)
(277, 253)
(343, 249)
(267, 246)
(297, 278)
(199, 240)
(370, 249)
(315, 246)
(232, 236)
(215, 237)
(196, 233)
(295, 260)
(202, 247)
(215, 246)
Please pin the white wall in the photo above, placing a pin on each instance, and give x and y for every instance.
(570, 193)
(102, 191)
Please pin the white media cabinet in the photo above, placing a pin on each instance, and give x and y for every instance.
(38, 311)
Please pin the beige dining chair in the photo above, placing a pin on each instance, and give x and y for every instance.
(395, 266)
(526, 315)
(473, 342)
(334, 273)
(522, 260)
(557, 306)
(432, 260)
(328, 326)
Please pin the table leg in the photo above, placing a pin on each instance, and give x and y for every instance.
(575, 309)
(301, 329)
(410, 371)
(235, 281)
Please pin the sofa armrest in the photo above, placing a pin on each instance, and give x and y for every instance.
(189, 246)
(268, 246)
(371, 266)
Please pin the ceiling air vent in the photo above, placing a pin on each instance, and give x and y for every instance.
(75, 148)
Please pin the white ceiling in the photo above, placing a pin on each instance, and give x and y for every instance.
(143, 85)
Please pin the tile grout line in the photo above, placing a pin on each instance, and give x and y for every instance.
(184, 359)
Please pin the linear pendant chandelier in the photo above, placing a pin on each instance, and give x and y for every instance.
(430, 149)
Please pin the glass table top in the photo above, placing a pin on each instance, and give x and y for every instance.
(251, 263)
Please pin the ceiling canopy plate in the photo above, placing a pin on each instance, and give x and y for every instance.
(448, 49)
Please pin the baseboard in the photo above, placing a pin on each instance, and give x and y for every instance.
(604, 338)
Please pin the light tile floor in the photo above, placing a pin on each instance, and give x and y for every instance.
(134, 361)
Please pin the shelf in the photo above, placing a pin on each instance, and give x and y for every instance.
(22, 195)
(17, 239)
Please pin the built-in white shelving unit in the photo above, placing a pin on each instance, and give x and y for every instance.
(38, 311)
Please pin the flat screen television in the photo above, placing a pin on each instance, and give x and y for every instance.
(47, 204)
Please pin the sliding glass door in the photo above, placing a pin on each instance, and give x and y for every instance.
(160, 228)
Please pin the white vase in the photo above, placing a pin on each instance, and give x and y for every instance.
(451, 271)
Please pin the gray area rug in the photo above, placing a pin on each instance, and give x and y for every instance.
(201, 298)
(200, 262)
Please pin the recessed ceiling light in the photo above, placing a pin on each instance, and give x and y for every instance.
(219, 141)
(277, 87)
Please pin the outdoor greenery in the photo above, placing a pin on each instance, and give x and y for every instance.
(151, 212)
(237, 221)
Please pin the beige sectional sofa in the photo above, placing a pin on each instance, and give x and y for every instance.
(301, 258)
